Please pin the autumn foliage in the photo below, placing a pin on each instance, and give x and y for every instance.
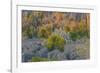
(57, 31)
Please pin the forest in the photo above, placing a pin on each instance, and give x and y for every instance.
(55, 36)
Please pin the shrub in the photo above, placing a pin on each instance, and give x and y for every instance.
(67, 28)
(83, 52)
(74, 35)
(44, 32)
(55, 42)
(29, 32)
(38, 59)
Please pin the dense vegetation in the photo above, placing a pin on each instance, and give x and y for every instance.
(55, 42)
(48, 36)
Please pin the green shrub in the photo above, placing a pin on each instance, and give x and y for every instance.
(38, 59)
(55, 42)
(74, 35)
(29, 32)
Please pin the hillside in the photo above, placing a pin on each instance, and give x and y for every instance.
(55, 36)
